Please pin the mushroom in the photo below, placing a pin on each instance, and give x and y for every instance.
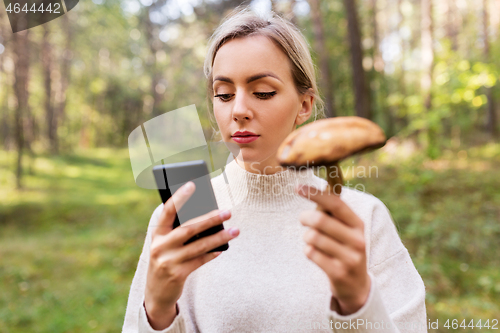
(325, 142)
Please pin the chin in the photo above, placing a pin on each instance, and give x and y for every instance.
(251, 155)
(247, 155)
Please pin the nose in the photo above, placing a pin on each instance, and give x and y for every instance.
(241, 108)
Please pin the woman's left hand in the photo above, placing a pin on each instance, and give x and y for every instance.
(336, 244)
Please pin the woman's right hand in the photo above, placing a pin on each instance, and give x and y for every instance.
(170, 261)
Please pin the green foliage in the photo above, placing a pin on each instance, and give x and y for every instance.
(447, 212)
(140, 68)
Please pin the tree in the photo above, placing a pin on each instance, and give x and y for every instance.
(153, 43)
(426, 81)
(361, 92)
(427, 51)
(452, 21)
(320, 44)
(403, 114)
(50, 114)
(5, 130)
(380, 92)
(21, 75)
(65, 63)
(491, 115)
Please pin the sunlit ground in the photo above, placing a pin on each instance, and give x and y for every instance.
(70, 241)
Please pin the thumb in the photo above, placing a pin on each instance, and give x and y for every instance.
(170, 208)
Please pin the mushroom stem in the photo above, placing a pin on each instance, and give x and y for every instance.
(335, 181)
(334, 178)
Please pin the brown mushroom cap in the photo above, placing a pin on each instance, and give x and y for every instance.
(327, 141)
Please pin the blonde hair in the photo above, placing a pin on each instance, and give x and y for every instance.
(243, 22)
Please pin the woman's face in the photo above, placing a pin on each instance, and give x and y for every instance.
(254, 92)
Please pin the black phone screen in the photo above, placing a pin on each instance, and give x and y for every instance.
(170, 177)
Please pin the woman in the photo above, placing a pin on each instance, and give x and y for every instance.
(289, 267)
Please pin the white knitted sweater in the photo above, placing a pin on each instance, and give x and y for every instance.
(265, 283)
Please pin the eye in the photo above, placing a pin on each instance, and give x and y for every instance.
(260, 95)
(265, 95)
(223, 97)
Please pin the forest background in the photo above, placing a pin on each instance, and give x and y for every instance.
(73, 222)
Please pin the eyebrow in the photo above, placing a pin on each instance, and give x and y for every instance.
(250, 79)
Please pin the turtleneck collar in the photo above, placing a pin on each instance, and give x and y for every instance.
(267, 192)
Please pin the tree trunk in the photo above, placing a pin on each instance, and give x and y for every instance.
(152, 63)
(65, 77)
(451, 24)
(378, 62)
(4, 112)
(403, 114)
(30, 133)
(326, 76)
(47, 71)
(496, 25)
(379, 88)
(491, 115)
(427, 53)
(428, 66)
(4, 82)
(21, 72)
(86, 123)
(361, 92)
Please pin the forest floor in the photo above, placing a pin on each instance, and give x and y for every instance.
(70, 241)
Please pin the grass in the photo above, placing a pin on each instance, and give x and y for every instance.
(447, 212)
(70, 241)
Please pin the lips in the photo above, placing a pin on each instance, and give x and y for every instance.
(244, 137)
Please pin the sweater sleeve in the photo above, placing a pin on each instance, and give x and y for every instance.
(396, 302)
(135, 316)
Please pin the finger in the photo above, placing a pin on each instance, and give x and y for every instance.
(327, 245)
(203, 245)
(189, 229)
(333, 228)
(174, 203)
(177, 237)
(194, 263)
(328, 264)
(332, 204)
(202, 218)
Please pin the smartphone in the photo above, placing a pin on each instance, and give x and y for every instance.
(170, 177)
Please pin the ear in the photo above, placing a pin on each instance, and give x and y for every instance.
(306, 107)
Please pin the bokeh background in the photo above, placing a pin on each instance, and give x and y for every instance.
(73, 222)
